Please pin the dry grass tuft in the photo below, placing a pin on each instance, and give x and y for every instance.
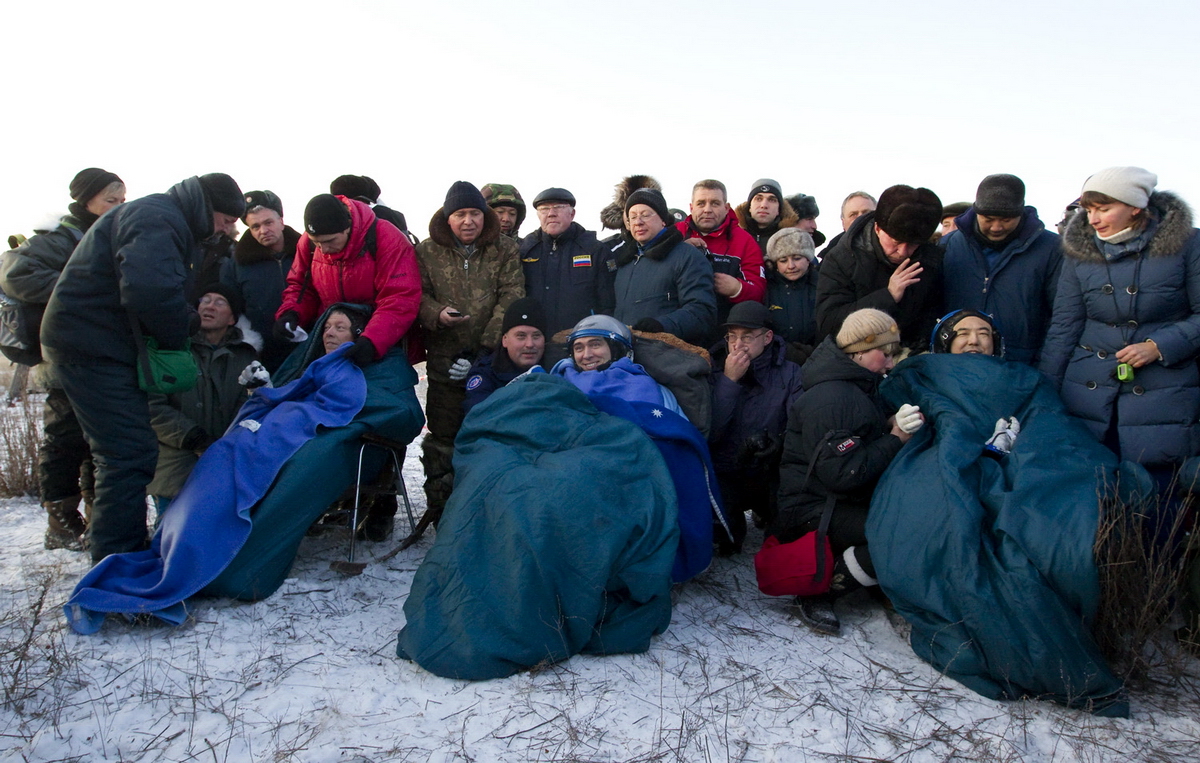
(20, 444)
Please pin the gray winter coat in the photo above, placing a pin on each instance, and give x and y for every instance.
(188, 420)
(1112, 295)
(669, 281)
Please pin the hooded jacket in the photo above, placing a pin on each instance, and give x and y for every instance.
(259, 276)
(842, 422)
(669, 281)
(386, 279)
(1113, 295)
(855, 275)
(756, 404)
(571, 276)
(132, 261)
(1015, 284)
(762, 234)
(481, 284)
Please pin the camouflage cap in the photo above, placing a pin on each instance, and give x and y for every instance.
(503, 195)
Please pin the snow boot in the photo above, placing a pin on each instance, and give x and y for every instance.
(380, 519)
(66, 528)
(817, 613)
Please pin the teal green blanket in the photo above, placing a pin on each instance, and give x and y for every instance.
(559, 538)
(991, 560)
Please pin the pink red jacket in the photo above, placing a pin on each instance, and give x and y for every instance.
(384, 276)
(736, 253)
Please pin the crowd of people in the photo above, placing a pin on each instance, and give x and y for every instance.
(1109, 311)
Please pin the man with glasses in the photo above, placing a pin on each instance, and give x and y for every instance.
(753, 386)
(663, 284)
(566, 269)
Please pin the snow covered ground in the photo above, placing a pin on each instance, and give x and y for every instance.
(311, 675)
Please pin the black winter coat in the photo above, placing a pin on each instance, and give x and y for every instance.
(755, 405)
(132, 261)
(793, 306)
(854, 275)
(259, 276)
(572, 276)
(842, 422)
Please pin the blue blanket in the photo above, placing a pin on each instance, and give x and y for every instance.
(991, 559)
(559, 538)
(209, 521)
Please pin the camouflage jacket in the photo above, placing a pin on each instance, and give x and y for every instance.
(481, 285)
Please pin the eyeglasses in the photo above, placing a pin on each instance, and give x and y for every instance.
(743, 338)
(547, 209)
(214, 301)
(641, 218)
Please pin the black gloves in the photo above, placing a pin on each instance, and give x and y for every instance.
(363, 353)
(285, 325)
(649, 325)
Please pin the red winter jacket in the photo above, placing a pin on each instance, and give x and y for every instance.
(387, 279)
(736, 253)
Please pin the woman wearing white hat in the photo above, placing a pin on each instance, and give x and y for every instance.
(1125, 334)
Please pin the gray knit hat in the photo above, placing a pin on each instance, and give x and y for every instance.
(765, 185)
(1131, 185)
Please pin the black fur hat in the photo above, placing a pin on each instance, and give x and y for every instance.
(909, 215)
(805, 206)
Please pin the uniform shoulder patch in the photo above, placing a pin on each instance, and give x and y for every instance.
(474, 382)
(847, 445)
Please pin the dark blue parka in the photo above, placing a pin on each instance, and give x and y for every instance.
(259, 276)
(1015, 284)
(571, 275)
(132, 261)
(757, 403)
(667, 280)
(1112, 295)
(488, 374)
(793, 305)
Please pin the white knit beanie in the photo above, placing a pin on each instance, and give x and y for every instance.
(1131, 185)
(865, 330)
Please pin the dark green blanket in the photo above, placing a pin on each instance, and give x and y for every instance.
(991, 559)
(559, 538)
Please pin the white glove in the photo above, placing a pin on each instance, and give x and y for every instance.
(909, 418)
(460, 369)
(254, 375)
(1005, 435)
(299, 335)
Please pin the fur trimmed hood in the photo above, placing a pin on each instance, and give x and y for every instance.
(613, 216)
(787, 217)
(439, 229)
(1174, 230)
(248, 251)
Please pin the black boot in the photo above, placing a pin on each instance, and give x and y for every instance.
(817, 613)
(377, 525)
(66, 529)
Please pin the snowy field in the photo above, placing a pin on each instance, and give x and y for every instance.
(311, 675)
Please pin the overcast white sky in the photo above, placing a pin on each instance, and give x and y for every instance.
(826, 97)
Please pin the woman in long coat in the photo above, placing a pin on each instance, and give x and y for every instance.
(1125, 334)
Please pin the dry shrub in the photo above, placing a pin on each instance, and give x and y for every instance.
(21, 442)
(1141, 553)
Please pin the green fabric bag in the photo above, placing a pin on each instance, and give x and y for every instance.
(166, 371)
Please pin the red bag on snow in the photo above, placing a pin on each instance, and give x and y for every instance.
(789, 569)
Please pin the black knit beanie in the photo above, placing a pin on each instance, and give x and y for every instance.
(463, 195)
(653, 199)
(90, 182)
(358, 187)
(909, 215)
(223, 194)
(526, 311)
(1000, 196)
(326, 214)
(236, 303)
